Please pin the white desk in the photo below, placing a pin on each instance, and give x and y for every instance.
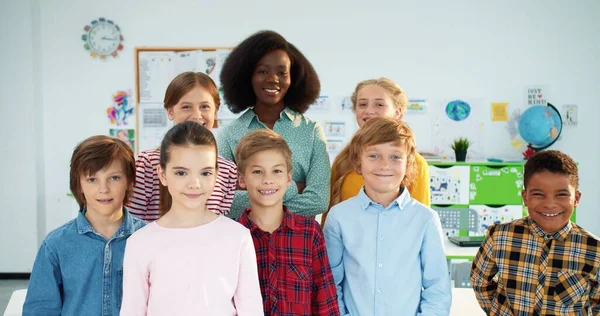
(453, 250)
(464, 303)
(15, 304)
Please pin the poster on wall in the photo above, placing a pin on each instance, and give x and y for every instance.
(457, 118)
(153, 125)
(569, 114)
(127, 135)
(536, 95)
(416, 106)
(121, 110)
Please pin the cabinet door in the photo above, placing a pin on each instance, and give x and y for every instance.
(496, 184)
(449, 184)
(488, 215)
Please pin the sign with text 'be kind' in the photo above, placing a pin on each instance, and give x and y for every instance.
(536, 95)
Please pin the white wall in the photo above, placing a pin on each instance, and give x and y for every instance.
(434, 49)
(20, 118)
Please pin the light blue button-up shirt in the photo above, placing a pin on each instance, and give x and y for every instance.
(388, 260)
(78, 272)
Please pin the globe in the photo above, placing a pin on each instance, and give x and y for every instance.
(458, 110)
(540, 126)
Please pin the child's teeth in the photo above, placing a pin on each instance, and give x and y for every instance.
(549, 215)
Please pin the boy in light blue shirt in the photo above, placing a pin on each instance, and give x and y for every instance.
(385, 248)
(79, 266)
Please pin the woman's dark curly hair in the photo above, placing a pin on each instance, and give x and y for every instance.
(236, 74)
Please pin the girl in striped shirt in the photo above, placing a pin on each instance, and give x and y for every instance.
(191, 96)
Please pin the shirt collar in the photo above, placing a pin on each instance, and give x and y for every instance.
(560, 235)
(288, 221)
(127, 226)
(249, 116)
(400, 202)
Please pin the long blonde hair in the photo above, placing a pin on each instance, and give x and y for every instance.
(394, 91)
(376, 131)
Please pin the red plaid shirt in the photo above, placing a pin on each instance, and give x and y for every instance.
(293, 268)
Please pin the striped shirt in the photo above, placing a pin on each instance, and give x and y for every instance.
(145, 200)
(521, 270)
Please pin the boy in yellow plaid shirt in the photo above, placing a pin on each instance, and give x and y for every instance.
(542, 264)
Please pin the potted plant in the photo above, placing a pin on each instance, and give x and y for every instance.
(460, 147)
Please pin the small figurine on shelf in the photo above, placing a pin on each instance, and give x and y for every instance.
(460, 147)
(529, 152)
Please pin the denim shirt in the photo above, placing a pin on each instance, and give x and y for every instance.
(78, 272)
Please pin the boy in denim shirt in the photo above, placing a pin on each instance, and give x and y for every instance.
(79, 267)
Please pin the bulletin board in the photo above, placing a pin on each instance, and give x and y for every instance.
(155, 67)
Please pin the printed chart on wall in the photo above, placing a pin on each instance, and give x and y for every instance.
(156, 67)
(458, 118)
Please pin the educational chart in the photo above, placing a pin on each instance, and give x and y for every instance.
(155, 70)
(449, 185)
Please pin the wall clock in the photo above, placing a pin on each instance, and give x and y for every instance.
(103, 38)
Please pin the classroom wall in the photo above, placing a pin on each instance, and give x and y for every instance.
(53, 94)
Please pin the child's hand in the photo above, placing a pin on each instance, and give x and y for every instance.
(301, 186)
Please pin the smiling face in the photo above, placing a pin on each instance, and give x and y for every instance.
(374, 101)
(105, 190)
(196, 105)
(383, 166)
(266, 178)
(550, 199)
(271, 78)
(190, 175)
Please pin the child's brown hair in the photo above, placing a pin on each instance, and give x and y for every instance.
(258, 141)
(188, 133)
(554, 161)
(96, 153)
(379, 130)
(185, 82)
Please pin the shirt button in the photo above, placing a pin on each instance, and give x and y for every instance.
(379, 292)
(380, 265)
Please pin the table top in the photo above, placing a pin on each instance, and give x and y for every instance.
(453, 250)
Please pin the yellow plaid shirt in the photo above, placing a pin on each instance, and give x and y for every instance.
(520, 270)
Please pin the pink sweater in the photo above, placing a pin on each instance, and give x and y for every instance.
(205, 270)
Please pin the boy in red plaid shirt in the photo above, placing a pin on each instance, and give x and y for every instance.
(293, 268)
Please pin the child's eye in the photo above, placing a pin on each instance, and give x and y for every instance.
(256, 171)
(206, 173)
(537, 194)
(361, 105)
(373, 156)
(91, 180)
(262, 71)
(379, 104)
(205, 106)
(282, 73)
(180, 173)
(396, 158)
(115, 178)
(277, 171)
(185, 107)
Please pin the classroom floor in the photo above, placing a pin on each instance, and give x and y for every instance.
(6, 289)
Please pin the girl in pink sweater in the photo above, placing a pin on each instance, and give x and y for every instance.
(191, 261)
